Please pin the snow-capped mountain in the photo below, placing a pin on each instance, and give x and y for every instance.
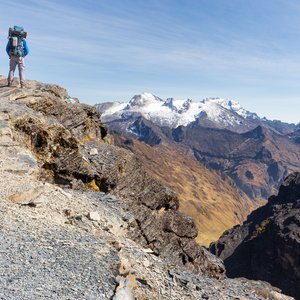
(217, 132)
(210, 112)
(175, 112)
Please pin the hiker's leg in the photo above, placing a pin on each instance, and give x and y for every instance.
(21, 66)
(12, 67)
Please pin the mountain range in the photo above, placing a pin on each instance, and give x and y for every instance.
(172, 113)
(248, 157)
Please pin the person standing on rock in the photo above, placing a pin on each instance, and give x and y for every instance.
(17, 49)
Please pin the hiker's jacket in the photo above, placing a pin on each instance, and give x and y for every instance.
(25, 47)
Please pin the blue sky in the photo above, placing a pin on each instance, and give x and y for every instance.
(104, 50)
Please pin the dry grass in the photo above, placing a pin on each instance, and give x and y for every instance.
(214, 204)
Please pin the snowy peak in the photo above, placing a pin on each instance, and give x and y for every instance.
(144, 99)
(172, 112)
(231, 105)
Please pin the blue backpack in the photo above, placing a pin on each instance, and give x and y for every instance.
(16, 37)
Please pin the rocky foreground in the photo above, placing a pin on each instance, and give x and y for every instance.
(81, 219)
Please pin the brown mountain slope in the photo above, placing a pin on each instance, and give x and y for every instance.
(214, 203)
(257, 160)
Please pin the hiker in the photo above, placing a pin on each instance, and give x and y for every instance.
(17, 49)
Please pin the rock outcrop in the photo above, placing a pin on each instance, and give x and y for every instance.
(267, 245)
(64, 137)
(73, 207)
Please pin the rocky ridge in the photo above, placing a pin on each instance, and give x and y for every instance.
(267, 245)
(64, 143)
(74, 243)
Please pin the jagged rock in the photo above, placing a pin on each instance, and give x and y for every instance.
(56, 148)
(267, 245)
(180, 224)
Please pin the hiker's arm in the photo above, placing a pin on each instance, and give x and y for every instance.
(26, 49)
(8, 48)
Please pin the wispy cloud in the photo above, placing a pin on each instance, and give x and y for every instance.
(192, 44)
(64, 30)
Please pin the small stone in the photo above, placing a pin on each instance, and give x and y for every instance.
(109, 198)
(205, 296)
(68, 195)
(28, 197)
(191, 286)
(94, 216)
(146, 263)
(94, 151)
(277, 296)
(38, 201)
(125, 289)
(148, 250)
(69, 213)
(115, 244)
(125, 267)
(84, 158)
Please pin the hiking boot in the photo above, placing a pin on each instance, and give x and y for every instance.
(9, 84)
(23, 86)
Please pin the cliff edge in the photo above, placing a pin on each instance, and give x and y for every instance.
(81, 219)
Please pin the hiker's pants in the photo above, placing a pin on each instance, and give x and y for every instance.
(13, 63)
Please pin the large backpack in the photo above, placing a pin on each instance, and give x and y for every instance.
(16, 37)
